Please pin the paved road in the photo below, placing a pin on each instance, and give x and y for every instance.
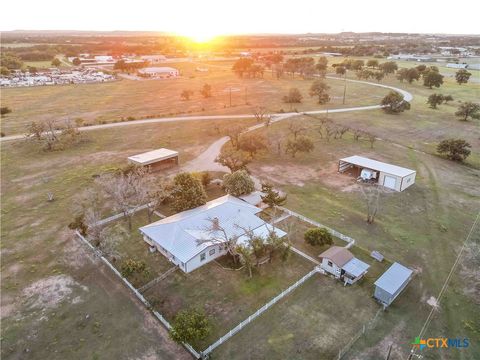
(406, 95)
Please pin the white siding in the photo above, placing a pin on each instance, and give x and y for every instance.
(196, 262)
(334, 269)
(408, 181)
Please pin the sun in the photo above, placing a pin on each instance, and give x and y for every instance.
(200, 36)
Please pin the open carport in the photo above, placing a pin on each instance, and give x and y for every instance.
(390, 176)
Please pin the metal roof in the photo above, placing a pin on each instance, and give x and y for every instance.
(355, 267)
(338, 255)
(378, 165)
(186, 234)
(158, 69)
(153, 156)
(254, 198)
(393, 279)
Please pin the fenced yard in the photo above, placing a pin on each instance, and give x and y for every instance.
(314, 322)
(317, 316)
(227, 296)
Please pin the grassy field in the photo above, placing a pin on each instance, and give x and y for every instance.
(422, 227)
(313, 322)
(50, 286)
(112, 101)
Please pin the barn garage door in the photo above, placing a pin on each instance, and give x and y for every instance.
(389, 182)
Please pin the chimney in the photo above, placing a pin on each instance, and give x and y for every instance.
(215, 224)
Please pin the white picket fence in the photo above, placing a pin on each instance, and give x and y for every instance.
(260, 311)
(122, 215)
(335, 233)
(135, 291)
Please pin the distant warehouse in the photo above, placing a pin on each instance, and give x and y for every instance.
(162, 72)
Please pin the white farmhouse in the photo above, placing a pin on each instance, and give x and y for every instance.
(187, 239)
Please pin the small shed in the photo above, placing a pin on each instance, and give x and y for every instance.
(390, 176)
(156, 159)
(341, 263)
(391, 283)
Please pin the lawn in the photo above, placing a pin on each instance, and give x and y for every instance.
(313, 322)
(227, 296)
(38, 250)
(422, 227)
(113, 101)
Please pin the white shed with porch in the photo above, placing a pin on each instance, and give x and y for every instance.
(390, 176)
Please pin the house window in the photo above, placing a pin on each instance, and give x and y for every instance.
(202, 256)
(211, 252)
(330, 264)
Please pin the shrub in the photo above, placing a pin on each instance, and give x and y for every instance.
(188, 192)
(238, 183)
(78, 224)
(454, 149)
(189, 326)
(318, 236)
(131, 266)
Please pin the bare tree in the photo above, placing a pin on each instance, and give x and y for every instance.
(126, 191)
(234, 132)
(357, 134)
(219, 236)
(340, 131)
(260, 113)
(371, 194)
(88, 207)
(296, 128)
(329, 131)
(371, 138)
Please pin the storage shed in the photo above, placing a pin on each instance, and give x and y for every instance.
(390, 176)
(391, 283)
(156, 159)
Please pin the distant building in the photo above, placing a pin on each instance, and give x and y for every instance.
(159, 72)
(153, 59)
(104, 59)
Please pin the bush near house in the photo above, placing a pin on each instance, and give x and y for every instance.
(318, 236)
(238, 183)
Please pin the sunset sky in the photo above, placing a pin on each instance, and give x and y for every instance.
(203, 19)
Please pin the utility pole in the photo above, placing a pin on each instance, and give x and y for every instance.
(345, 87)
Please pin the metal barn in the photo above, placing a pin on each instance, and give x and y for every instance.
(391, 283)
(390, 176)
